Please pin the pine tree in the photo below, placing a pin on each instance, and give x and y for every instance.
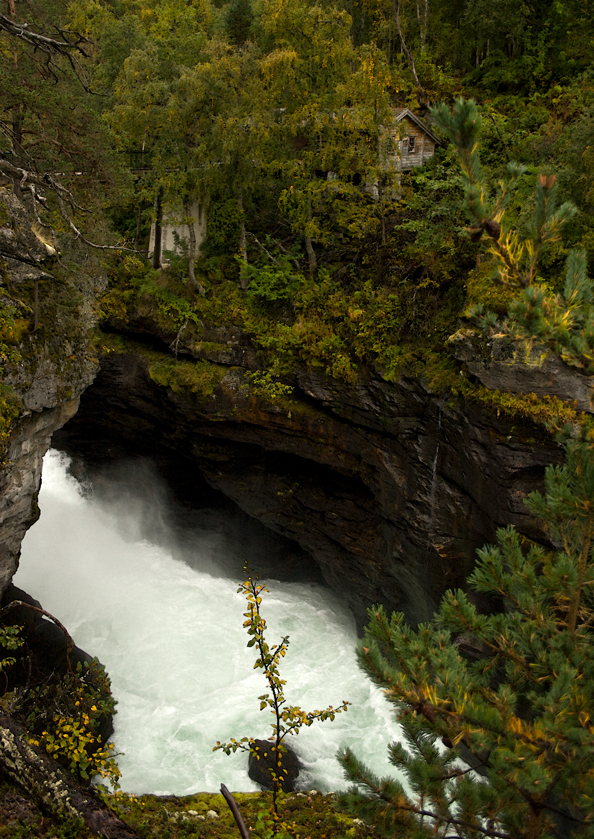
(497, 709)
(563, 322)
(515, 259)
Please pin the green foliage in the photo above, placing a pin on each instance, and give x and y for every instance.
(197, 377)
(160, 295)
(563, 322)
(288, 719)
(238, 21)
(264, 383)
(496, 708)
(9, 412)
(9, 640)
(306, 814)
(514, 259)
(172, 308)
(272, 283)
(12, 330)
(65, 718)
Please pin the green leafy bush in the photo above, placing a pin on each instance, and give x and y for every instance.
(65, 718)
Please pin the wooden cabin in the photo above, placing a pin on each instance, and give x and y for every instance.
(406, 143)
(409, 142)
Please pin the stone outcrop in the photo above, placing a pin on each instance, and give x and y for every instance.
(500, 363)
(389, 488)
(262, 763)
(21, 478)
(50, 364)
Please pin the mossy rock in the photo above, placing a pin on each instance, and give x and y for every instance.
(263, 762)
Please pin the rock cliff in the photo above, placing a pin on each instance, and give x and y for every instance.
(390, 488)
(48, 291)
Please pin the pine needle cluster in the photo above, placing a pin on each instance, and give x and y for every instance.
(497, 709)
(562, 322)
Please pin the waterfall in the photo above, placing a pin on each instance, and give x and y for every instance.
(169, 631)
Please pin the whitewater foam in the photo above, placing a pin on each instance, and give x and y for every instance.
(171, 638)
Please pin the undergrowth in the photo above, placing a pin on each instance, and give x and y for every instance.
(311, 815)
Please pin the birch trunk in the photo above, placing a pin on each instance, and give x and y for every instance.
(405, 49)
(243, 279)
(192, 251)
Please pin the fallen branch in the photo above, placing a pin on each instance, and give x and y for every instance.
(235, 810)
(14, 603)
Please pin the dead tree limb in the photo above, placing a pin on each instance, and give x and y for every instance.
(68, 45)
(14, 603)
(236, 813)
(70, 41)
(27, 181)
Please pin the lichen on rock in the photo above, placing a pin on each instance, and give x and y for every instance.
(48, 292)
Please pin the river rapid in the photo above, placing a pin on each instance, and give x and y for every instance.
(168, 627)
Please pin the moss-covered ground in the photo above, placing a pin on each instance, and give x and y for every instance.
(305, 815)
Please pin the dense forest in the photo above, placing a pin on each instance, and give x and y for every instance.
(276, 119)
(272, 116)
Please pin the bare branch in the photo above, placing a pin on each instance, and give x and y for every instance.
(71, 41)
(69, 46)
(80, 235)
(29, 180)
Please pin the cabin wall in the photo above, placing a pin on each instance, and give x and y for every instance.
(424, 147)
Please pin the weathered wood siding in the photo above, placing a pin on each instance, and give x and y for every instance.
(399, 139)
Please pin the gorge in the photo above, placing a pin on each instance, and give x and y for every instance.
(303, 285)
(380, 490)
(163, 614)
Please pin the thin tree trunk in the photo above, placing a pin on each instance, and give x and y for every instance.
(405, 49)
(423, 23)
(158, 229)
(141, 209)
(192, 254)
(54, 789)
(243, 279)
(311, 254)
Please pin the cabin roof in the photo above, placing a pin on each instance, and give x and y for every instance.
(406, 112)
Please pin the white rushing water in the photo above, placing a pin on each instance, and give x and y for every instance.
(172, 640)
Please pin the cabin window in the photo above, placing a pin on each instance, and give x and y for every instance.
(411, 145)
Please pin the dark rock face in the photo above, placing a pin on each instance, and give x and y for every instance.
(48, 655)
(500, 363)
(54, 363)
(388, 488)
(262, 763)
(20, 480)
